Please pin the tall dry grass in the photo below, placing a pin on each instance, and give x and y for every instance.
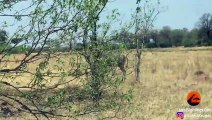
(167, 77)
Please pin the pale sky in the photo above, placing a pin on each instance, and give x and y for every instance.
(178, 13)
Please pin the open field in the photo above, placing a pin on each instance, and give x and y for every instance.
(167, 76)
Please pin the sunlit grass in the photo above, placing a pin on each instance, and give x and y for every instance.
(167, 77)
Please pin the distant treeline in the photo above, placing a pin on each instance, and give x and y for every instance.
(201, 35)
(166, 37)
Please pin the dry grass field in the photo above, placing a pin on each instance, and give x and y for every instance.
(167, 76)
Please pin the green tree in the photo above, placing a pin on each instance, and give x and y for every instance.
(191, 38)
(205, 29)
(154, 35)
(177, 36)
(16, 40)
(165, 37)
(3, 36)
(50, 23)
(126, 38)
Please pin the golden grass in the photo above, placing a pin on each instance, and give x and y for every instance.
(167, 77)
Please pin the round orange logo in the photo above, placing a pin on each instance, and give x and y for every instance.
(193, 98)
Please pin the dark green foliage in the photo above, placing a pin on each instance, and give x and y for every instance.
(205, 29)
(3, 46)
(16, 40)
(167, 37)
(3, 36)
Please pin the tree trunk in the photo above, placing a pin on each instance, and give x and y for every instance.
(138, 64)
(138, 59)
(95, 73)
